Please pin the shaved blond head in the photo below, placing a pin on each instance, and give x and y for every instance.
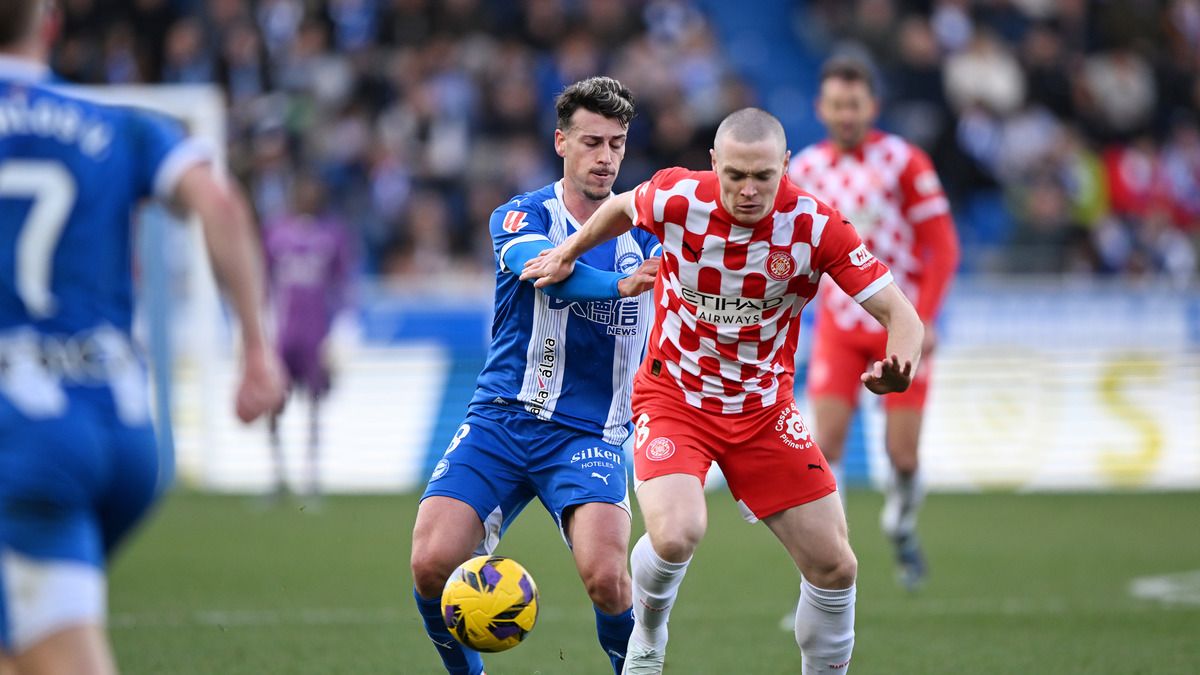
(751, 125)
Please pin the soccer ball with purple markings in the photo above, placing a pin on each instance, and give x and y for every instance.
(490, 603)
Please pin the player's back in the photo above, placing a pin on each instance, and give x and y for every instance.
(71, 173)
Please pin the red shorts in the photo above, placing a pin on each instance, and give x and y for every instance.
(768, 456)
(840, 357)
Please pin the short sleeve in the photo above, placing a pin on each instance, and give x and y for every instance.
(841, 253)
(921, 191)
(644, 196)
(164, 152)
(517, 221)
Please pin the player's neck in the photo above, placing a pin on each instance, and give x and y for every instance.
(580, 206)
(29, 49)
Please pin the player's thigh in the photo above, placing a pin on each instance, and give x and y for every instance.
(675, 514)
(831, 424)
(599, 535)
(815, 536)
(447, 531)
(484, 468)
(777, 466)
(80, 650)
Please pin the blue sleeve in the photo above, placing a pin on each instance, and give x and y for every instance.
(585, 283)
(162, 152)
(650, 245)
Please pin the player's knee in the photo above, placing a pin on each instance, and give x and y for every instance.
(429, 572)
(677, 544)
(837, 571)
(609, 588)
(905, 464)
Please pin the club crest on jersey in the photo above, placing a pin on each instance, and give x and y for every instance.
(660, 449)
(861, 257)
(628, 262)
(514, 221)
(781, 265)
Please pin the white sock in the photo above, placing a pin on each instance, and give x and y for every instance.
(839, 474)
(655, 585)
(825, 628)
(902, 500)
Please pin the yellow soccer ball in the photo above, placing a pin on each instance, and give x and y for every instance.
(490, 603)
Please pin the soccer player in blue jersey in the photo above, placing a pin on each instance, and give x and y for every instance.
(78, 465)
(551, 408)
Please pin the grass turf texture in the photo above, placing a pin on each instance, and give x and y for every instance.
(1019, 583)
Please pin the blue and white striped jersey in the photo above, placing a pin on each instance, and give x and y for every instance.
(71, 173)
(570, 362)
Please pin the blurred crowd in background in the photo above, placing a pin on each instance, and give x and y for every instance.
(1066, 131)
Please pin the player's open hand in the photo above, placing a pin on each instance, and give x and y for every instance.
(263, 388)
(888, 376)
(641, 280)
(549, 267)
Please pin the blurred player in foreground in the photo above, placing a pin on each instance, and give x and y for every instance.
(308, 257)
(743, 250)
(78, 464)
(888, 188)
(551, 409)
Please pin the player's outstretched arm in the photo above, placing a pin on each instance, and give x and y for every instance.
(905, 334)
(234, 252)
(611, 220)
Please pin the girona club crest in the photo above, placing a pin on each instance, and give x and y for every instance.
(660, 449)
(781, 266)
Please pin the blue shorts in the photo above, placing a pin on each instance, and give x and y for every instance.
(75, 478)
(500, 459)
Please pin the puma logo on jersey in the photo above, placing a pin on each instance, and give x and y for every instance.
(603, 478)
(695, 252)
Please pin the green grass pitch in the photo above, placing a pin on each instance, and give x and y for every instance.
(1019, 584)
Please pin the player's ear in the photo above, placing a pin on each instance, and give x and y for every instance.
(560, 142)
(712, 153)
(787, 158)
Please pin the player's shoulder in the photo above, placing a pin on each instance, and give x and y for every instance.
(896, 150)
(533, 201)
(793, 197)
(820, 152)
(671, 176)
(523, 209)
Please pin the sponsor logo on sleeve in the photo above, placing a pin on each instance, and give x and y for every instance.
(514, 221)
(861, 257)
(927, 184)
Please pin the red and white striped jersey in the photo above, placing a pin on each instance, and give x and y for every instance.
(888, 188)
(728, 296)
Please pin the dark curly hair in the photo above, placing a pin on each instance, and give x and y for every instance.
(601, 95)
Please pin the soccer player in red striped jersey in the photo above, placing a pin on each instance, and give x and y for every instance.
(743, 251)
(889, 189)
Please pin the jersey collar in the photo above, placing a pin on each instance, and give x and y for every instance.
(16, 69)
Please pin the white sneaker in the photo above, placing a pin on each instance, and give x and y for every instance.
(643, 659)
